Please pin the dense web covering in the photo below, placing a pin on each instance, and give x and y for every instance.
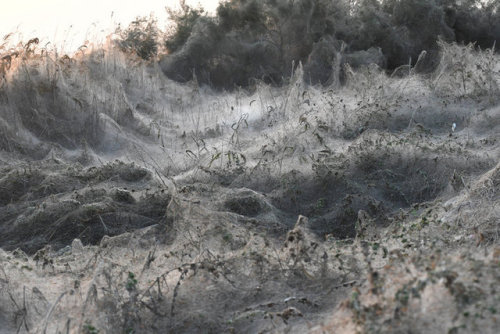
(133, 203)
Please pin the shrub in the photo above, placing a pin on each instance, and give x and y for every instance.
(140, 37)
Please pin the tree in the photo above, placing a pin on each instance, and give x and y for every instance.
(183, 23)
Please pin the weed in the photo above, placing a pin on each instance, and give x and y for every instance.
(227, 236)
(88, 328)
(131, 284)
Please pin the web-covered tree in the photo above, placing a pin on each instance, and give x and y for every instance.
(183, 21)
(261, 39)
(247, 39)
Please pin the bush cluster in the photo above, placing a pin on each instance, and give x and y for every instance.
(262, 39)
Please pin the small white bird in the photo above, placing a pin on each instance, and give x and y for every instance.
(453, 127)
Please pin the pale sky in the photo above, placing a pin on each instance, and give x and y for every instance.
(71, 22)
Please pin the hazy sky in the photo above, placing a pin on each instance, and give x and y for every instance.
(73, 21)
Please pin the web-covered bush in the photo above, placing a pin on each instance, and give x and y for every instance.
(467, 72)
